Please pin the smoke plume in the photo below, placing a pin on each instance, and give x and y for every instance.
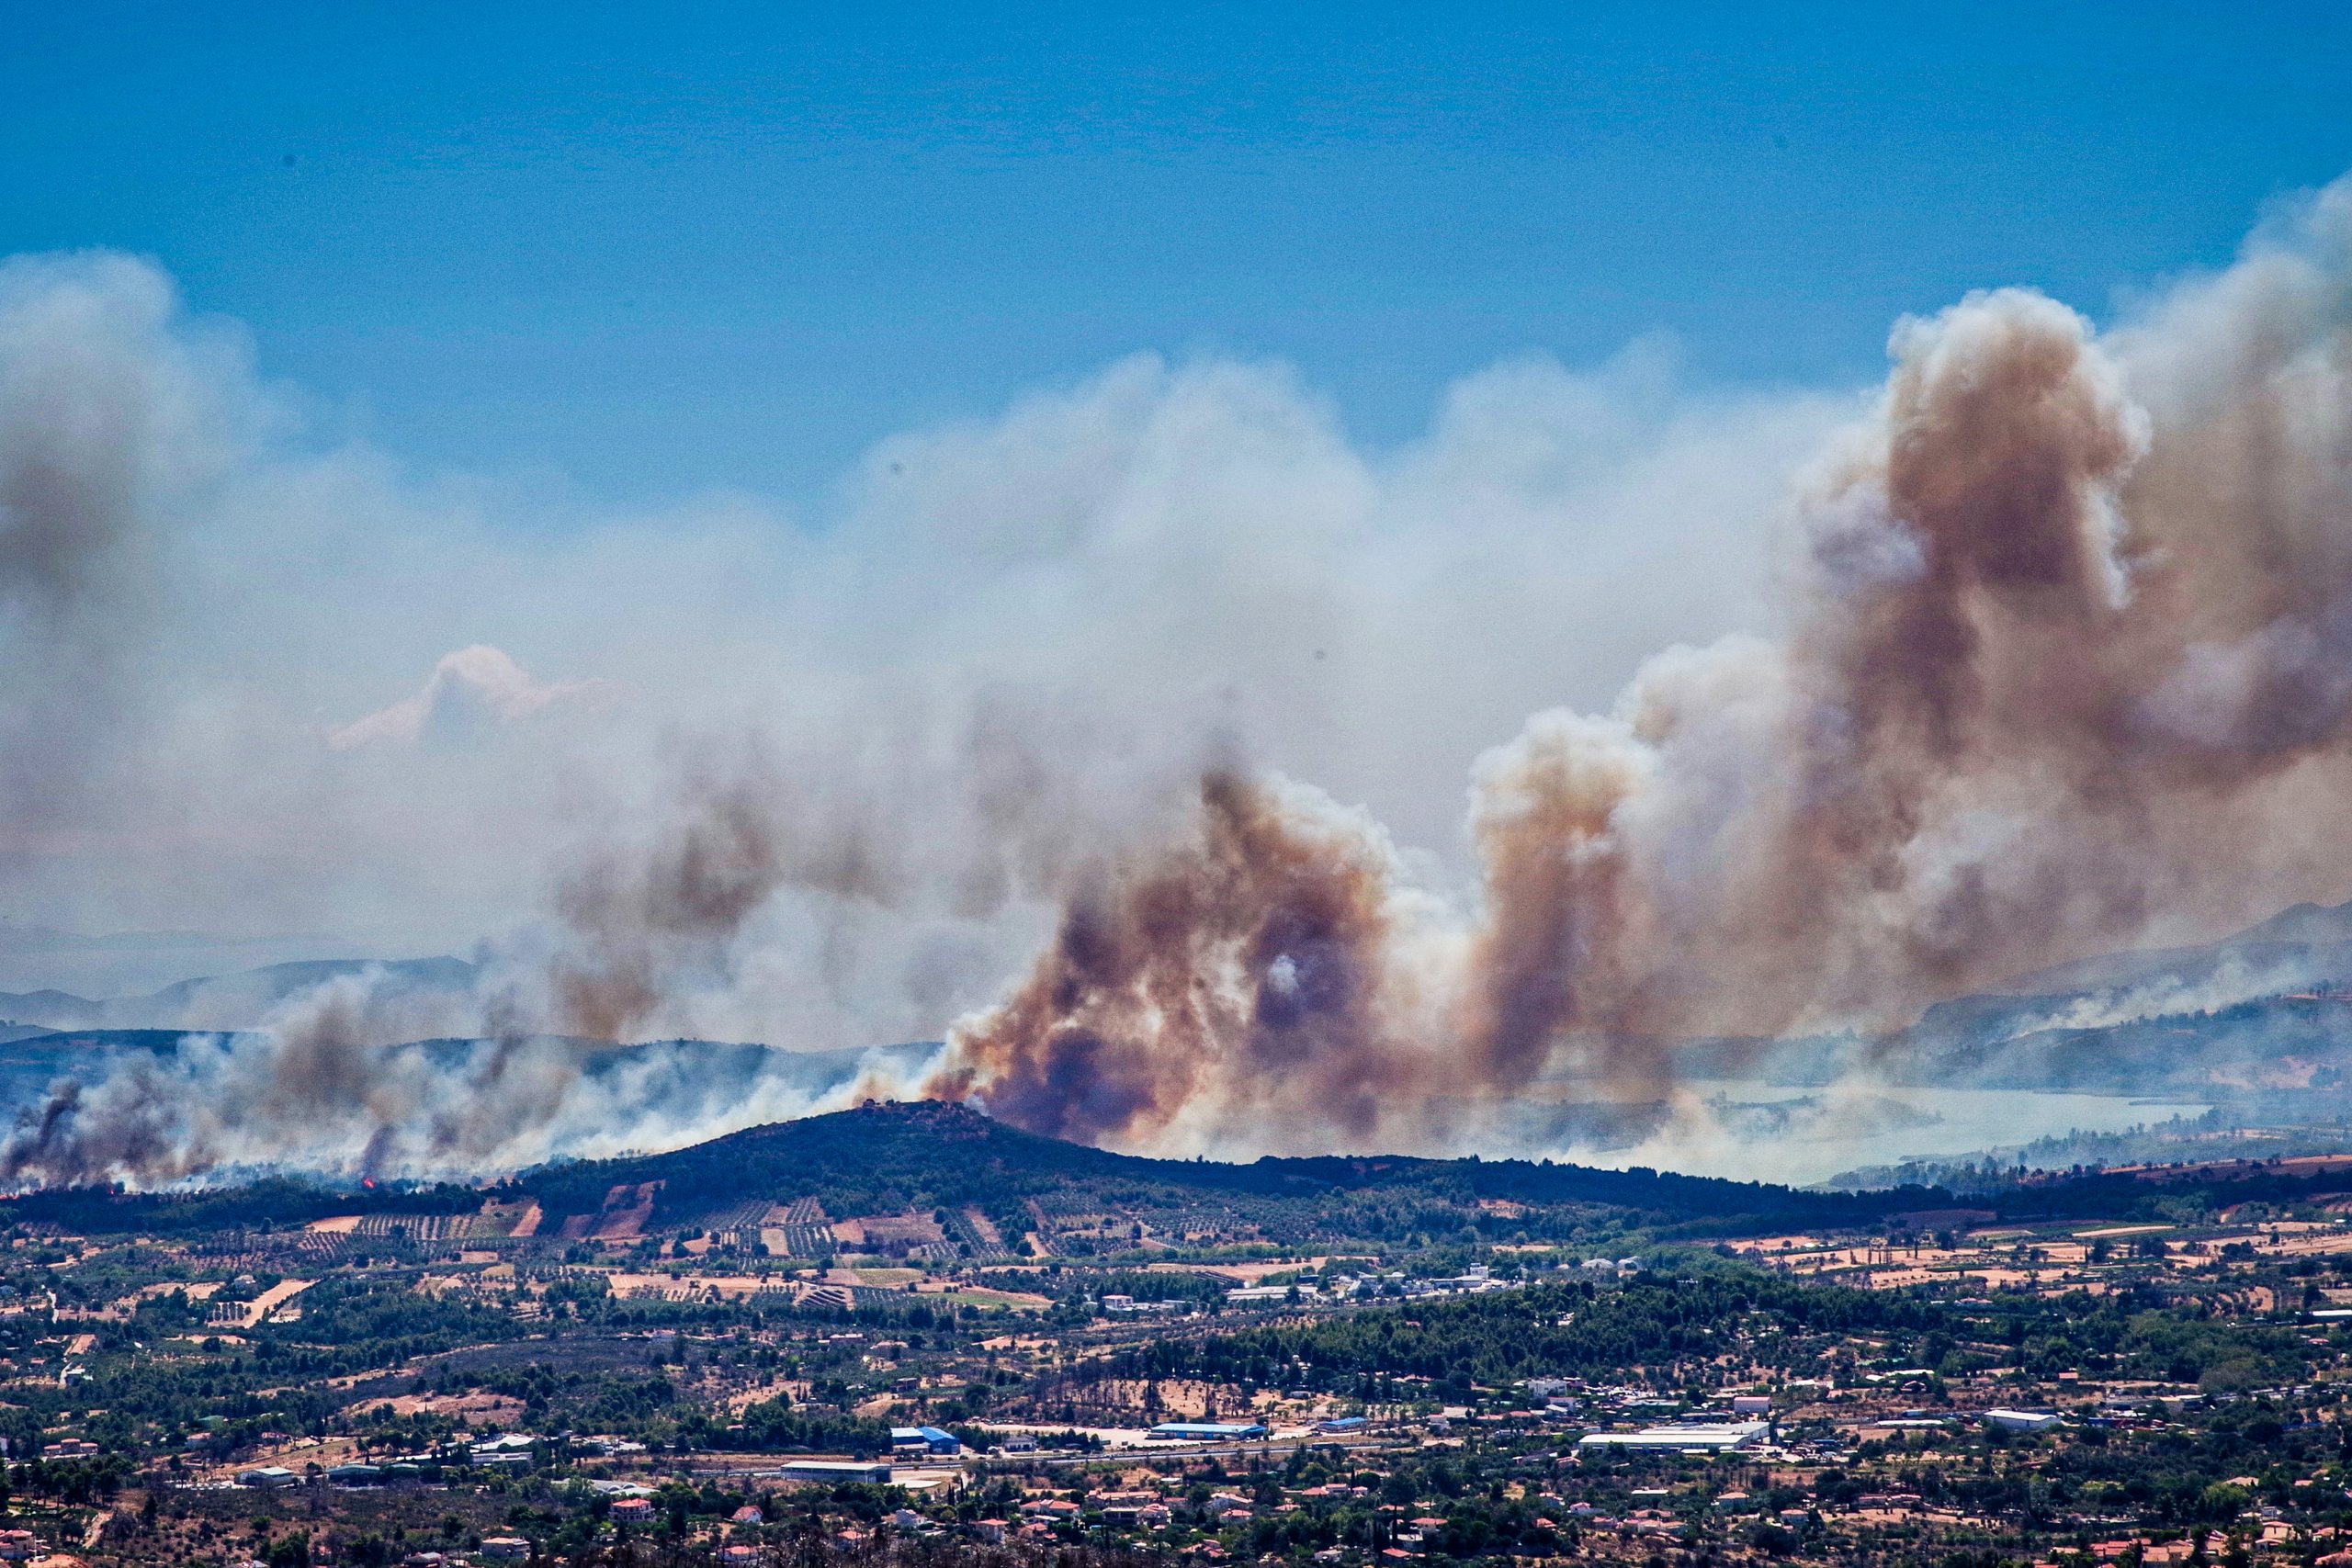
(312, 1089)
(1248, 977)
(2041, 649)
(2066, 665)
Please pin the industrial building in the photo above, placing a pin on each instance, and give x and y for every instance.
(269, 1477)
(924, 1440)
(1722, 1437)
(1205, 1431)
(837, 1470)
(2020, 1420)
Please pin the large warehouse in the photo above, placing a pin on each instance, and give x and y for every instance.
(1722, 1437)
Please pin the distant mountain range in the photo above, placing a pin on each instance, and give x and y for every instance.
(2266, 1011)
(35, 957)
(232, 1001)
(2310, 940)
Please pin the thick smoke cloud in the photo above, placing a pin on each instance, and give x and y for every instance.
(1252, 973)
(2066, 671)
(2038, 650)
(103, 445)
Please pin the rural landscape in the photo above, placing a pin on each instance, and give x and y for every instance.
(907, 1329)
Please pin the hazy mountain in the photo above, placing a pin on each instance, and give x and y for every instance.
(230, 1001)
(2308, 940)
(37, 958)
(925, 1155)
(2258, 1010)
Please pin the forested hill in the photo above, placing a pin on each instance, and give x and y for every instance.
(884, 1159)
(887, 1158)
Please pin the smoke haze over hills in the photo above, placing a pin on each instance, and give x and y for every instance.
(1122, 738)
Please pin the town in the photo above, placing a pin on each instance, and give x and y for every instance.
(409, 1380)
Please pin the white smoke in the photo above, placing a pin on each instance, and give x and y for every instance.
(309, 1089)
(2237, 977)
(1003, 658)
(1007, 649)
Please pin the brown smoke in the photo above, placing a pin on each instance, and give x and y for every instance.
(1968, 585)
(647, 923)
(641, 921)
(2071, 665)
(1242, 972)
(1960, 767)
(1545, 960)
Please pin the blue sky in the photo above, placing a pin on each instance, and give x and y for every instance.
(662, 248)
